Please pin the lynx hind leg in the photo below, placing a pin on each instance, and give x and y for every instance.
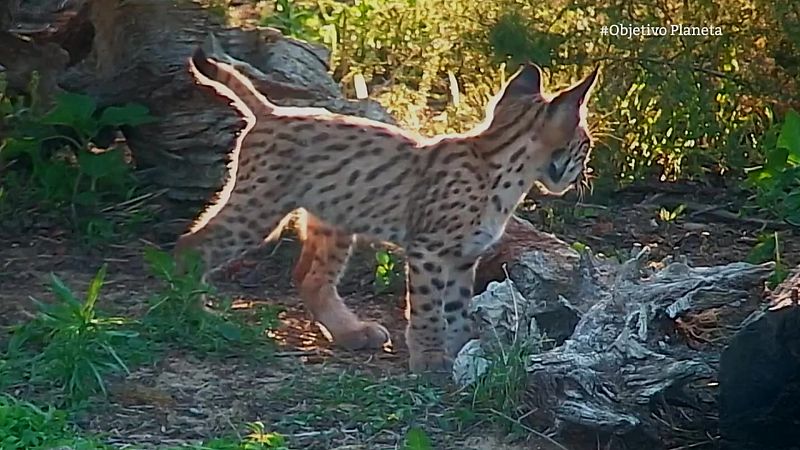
(323, 260)
(240, 225)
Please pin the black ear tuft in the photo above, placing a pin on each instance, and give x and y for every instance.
(527, 80)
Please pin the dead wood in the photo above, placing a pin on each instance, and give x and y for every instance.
(617, 366)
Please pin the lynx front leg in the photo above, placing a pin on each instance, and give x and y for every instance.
(438, 296)
(425, 334)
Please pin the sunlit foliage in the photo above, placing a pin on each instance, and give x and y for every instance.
(668, 106)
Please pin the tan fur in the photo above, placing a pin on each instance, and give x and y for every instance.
(443, 200)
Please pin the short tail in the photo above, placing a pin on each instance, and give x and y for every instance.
(229, 82)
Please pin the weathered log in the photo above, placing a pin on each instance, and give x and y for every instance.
(620, 365)
(759, 375)
(139, 54)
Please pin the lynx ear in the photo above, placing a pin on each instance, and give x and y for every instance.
(525, 82)
(566, 108)
(576, 96)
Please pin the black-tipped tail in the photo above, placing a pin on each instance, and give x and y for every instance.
(202, 63)
(229, 81)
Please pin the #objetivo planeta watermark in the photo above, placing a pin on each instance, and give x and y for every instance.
(631, 31)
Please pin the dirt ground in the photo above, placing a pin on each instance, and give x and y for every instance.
(298, 392)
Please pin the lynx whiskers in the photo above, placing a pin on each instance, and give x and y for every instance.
(443, 200)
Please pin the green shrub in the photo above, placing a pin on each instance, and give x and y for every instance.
(777, 182)
(388, 271)
(768, 248)
(58, 157)
(24, 426)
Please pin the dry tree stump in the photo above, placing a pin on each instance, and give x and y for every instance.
(616, 369)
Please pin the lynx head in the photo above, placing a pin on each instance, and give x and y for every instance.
(551, 127)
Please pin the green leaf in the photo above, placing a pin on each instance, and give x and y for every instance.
(776, 160)
(160, 263)
(14, 148)
(130, 114)
(230, 331)
(109, 164)
(93, 292)
(383, 257)
(57, 178)
(579, 247)
(71, 109)
(765, 249)
(417, 439)
(62, 291)
(86, 198)
(789, 137)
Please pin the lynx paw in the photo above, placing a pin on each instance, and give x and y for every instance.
(430, 362)
(370, 335)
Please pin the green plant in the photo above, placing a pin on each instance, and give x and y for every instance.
(291, 19)
(256, 439)
(580, 247)
(177, 315)
(502, 386)
(24, 426)
(65, 155)
(417, 439)
(388, 272)
(667, 216)
(768, 249)
(77, 345)
(777, 181)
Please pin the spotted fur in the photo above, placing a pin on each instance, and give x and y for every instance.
(443, 200)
